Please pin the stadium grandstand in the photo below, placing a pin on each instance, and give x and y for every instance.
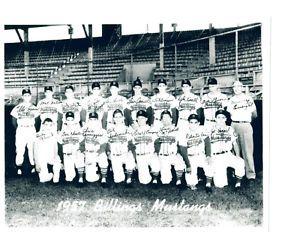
(226, 54)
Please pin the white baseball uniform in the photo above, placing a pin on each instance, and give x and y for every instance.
(187, 104)
(211, 102)
(94, 137)
(196, 155)
(70, 137)
(161, 102)
(136, 103)
(241, 108)
(93, 104)
(71, 105)
(169, 137)
(118, 138)
(45, 152)
(111, 104)
(143, 138)
(25, 113)
(221, 145)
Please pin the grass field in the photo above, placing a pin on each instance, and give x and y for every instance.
(29, 203)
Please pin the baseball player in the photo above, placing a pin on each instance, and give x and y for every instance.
(45, 152)
(93, 103)
(95, 139)
(119, 136)
(163, 101)
(143, 138)
(23, 119)
(71, 104)
(50, 108)
(212, 101)
(138, 102)
(170, 142)
(71, 138)
(188, 103)
(199, 153)
(115, 101)
(243, 111)
(223, 140)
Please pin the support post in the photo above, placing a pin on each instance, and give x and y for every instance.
(161, 47)
(236, 55)
(26, 54)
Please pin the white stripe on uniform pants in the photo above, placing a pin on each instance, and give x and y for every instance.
(244, 132)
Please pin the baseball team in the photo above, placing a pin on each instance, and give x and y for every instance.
(87, 138)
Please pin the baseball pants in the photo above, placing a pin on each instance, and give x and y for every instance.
(166, 162)
(221, 162)
(144, 161)
(245, 141)
(25, 136)
(197, 160)
(72, 161)
(44, 173)
(92, 159)
(117, 161)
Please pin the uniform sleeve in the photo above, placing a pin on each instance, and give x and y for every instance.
(229, 106)
(233, 135)
(198, 103)
(59, 137)
(59, 107)
(224, 101)
(125, 103)
(104, 138)
(174, 103)
(181, 138)
(251, 104)
(36, 112)
(14, 112)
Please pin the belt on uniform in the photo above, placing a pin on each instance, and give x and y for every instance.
(26, 126)
(211, 120)
(193, 154)
(91, 151)
(116, 154)
(219, 153)
(141, 154)
(161, 154)
(240, 121)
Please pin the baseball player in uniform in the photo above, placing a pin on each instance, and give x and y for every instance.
(171, 146)
(223, 141)
(71, 104)
(199, 153)
(143, 138)
(138, 102)
(188, 103)
(243, 110)
(50, 108)
(115, 101)
(23, 119)
(45, 152)
(93, 103)
(71, 138)
(95, 141)
(212, 101)
(119, 136)
(163, 101)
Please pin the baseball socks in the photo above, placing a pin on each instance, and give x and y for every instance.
(19, 170)
(155, 177)
(208, 188)
(128, 176)
(178, 177)
(238, 182)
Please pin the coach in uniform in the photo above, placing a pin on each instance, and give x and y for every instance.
(243, 110)
(212, 101)
(188, 103)
(23, 119)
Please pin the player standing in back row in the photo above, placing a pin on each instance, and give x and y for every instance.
(243, 111)
(23, 119)
(212, 101)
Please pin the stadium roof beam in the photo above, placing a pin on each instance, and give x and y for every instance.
(23, 27)
(20, 37)
(85, 32)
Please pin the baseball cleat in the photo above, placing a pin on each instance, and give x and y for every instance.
(33, 170)
(154, 181)
(19, 172)
(128, 181)
(80, 180)
(178, 182)
(192, 187)
(47, 178)
(103, 180)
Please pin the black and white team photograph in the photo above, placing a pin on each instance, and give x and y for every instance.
(159, 128)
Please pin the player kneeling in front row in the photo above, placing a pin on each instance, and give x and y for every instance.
(170, 142)
(199, 152)
(118, 137)
(95, 141)
(143, 138)
(223, 140)
(71, 138)
(45, 152)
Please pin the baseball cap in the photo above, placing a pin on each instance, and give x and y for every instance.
(237, 83)
(48, 88)
(212, 81)
(96, 85)
(47, 120)
(221, 111)
(137, 82)
(193, 116)
(69, 114)
(165, 112)
(142, 113)
(117, 111)
(186, 82)
(114, 83)
(93, 115)
(69, 87)
(24, 91)
(162, 80)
